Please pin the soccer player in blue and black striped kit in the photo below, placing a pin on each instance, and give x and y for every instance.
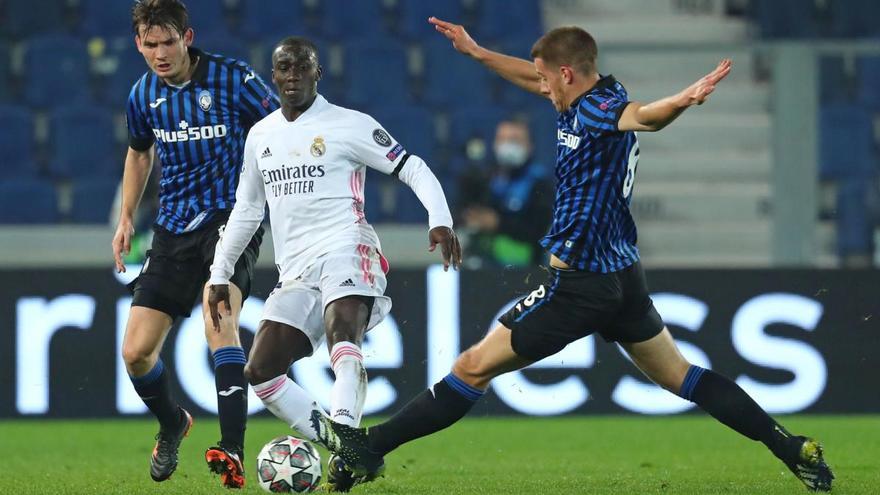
(194, 109)
(596, 283)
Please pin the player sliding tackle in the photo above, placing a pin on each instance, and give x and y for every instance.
(307, 160)
(596, 282)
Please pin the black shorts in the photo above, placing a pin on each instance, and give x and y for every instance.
(178, 265)
(573, 304)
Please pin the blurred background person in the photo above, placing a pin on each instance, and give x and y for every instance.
(786, 175)
(505, 207)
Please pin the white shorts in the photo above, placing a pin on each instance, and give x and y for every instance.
(353, 271)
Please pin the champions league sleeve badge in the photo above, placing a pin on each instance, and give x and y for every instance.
(205, 100)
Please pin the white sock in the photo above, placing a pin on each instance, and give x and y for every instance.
(290, 403)
(350, 388)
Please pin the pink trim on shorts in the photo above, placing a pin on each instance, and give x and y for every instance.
(357, 194)
(366, 263)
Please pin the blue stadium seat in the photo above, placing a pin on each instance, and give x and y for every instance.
(869, 82)
(5, 73)
(82, 140)
(854, 230)
(374, 207)
(209, 17)
(509, 93)
(106, 18)
(363, 20)
(68, 80)
(443, 165)
(846, 143)
(16, 141)
(513, 96)
(23, 170)
(451, 78)
(376, 73)
(855, 18)
(542, 123)
(227, 45)
(92, 200)
(414, 17)
(130, 66)
(407, 207)
(458, 164)
(112, 18)
(272, 21)
(449, 182)
(27, 201)
(790, 19)
(836, 84)
(501, 18)
(412, 126)
(23, 18)
(474, 122)
(334, 91)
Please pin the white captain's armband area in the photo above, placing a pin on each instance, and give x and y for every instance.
(414, 172)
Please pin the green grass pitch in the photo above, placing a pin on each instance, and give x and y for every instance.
(595, 455)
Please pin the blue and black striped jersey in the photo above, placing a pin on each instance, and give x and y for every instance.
(199, 131)
(596, 163)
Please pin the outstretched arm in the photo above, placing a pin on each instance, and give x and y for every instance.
(658, 114)
(516, 70)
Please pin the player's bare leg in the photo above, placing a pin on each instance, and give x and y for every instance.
(488, 358)
(661, 361)
(226, 457)
(145, 333)
(345, 322)
(433, 410)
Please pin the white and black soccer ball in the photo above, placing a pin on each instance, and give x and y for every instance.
(289, 465)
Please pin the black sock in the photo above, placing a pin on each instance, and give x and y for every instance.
(231, 395)
(154, 390)
(730, 404)
(431, 411)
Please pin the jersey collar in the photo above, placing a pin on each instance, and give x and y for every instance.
(198, 74)
(604, 82)
(202, 67)
(316, 107)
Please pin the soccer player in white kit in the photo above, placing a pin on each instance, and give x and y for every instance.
(308, 160)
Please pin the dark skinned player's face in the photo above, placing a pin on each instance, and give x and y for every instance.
(295, 72)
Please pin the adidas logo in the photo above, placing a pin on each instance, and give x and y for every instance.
(347, 283)
(266, 153)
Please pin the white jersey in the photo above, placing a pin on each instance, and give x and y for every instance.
(311, 173)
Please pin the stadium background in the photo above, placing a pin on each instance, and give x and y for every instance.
(757, 212)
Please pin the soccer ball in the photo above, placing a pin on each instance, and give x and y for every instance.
(289, 465)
